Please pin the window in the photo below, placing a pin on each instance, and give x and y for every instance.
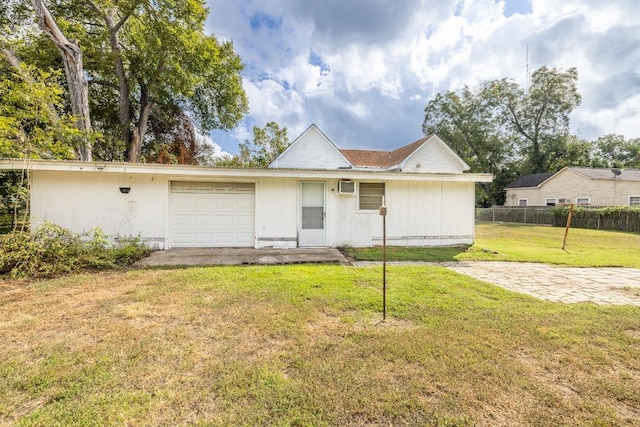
(550, 202)
(634, 200)
(583, 200)
(371, 195)
(522, 202)
(564, 201)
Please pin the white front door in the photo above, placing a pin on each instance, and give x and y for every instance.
(311, 230)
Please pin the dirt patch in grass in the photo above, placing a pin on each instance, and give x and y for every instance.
(630, 290)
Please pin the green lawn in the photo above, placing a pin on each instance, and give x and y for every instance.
(302, 346)
(530, 243)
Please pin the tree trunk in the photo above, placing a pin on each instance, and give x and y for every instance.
(124, 110)
(74, 71)
(133, 154)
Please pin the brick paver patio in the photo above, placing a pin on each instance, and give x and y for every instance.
(619, 286)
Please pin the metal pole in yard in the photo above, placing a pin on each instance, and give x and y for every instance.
(566, 230)
(383, 212)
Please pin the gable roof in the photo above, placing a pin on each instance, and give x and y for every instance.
(604, 173)
(314, 150)
(381, 159)
(532, 180)
(536, 180)
(331, 156)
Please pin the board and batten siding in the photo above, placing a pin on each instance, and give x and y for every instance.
(277, 213)
(419, 214)
(571, 185)
(81, 201)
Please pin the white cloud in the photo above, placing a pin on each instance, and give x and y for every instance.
(364, 70)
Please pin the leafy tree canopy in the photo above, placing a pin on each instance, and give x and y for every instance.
(509, 130)
(267, 144)
(149, 65)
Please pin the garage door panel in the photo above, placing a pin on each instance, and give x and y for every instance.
(226, 201)
(181, 201)
(244, 202)
(245, 238)
(202, 237)
(224, 219)
(224, 238)
(203, 219)
(180, 219)
(212, 214)
(181, 238)
(203, 201)
(244, 220)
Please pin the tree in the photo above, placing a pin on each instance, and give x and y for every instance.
(29, 124)
(161, 58)
(141, 58)
(538, 116)
(616, 151)
(267, 144)
(468, 122)
(76, 82)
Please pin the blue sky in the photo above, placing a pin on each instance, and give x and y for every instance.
(363, 70)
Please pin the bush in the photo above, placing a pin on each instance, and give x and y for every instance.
(616, 218)
(52, 250)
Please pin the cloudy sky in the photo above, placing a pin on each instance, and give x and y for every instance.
(363, 70)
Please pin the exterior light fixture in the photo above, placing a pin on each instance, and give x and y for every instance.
(125, 190)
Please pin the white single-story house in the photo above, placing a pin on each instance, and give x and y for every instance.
(576, 185)
(312, 195)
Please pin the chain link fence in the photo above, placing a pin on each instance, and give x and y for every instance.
(617, 218)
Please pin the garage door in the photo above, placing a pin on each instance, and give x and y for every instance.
(212, 214)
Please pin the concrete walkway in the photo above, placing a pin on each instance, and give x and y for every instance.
(618, 286)
(241, 256)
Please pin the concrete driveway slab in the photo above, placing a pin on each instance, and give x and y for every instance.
(240, 256)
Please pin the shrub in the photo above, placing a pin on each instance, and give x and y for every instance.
(617, 218)
(52, 250)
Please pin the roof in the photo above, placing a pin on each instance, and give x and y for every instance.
(604, 173)
(538, 179)
(530, 180)
(381, 159)
(243, 174)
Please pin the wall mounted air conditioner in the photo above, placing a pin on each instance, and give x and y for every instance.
(346, 187)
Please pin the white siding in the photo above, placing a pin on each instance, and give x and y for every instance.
(81, 201)
(312, 150)
(428, 213)
(346, 226)
(419, 214)
(277, 213)
(434, 156)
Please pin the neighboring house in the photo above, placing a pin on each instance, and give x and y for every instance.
(576, 185)
(312, 195)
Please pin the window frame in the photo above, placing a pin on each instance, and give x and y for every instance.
(526, 203)
(588, 199)
(548, 203)
(377, 208)
(634, 197)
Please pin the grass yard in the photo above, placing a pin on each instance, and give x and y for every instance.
(301, 346)
(526, 243)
